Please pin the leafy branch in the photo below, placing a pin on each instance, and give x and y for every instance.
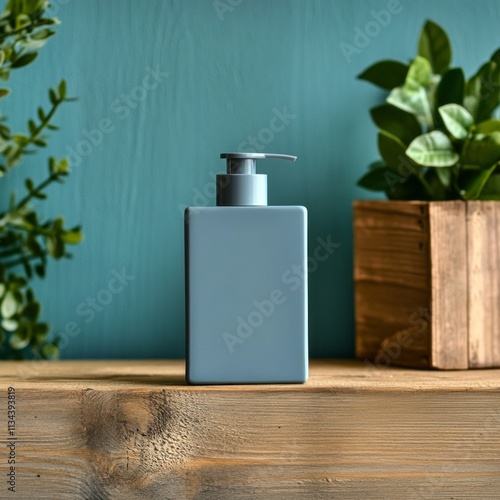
(26, 242)
(17, 145)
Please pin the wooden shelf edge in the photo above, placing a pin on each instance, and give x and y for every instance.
(334, 375)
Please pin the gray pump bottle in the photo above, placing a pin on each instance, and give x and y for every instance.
(246, 283)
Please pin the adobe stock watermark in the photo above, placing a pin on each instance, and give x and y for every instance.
(92, 306)
(392, 348)
(419, 322)
(205, 196)
(403, 171)
(222, 7)
(280, 119)
(292, 279)
(202, 197)
(121, 109)
(88, 310)
(488, 87)
(372, 29)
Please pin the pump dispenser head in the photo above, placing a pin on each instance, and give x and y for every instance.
(241, 185)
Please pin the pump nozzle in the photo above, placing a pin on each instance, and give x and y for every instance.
(246, 163)
(241, 185)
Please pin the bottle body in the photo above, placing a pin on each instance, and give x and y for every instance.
(246, 295)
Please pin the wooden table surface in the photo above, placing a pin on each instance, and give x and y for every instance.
(134, 430)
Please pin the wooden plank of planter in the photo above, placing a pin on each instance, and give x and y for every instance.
(133, 430)
(483, 227)
(391, 274)
(449, 293)
(410, 271)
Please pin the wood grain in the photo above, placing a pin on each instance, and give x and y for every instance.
(483, 227)
(448, 262)
(134, 430)
(392, 278)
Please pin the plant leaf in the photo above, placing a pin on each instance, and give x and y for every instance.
(496, 56)
(419, 74)
(444, 175)
(386, 74)
(373, 166)
(375, 180)
(10, 325)
(30, 186)
(487, 127)
(62, 89)
(55, 246)
(482, 148)
(43, 34)
(32, 310)
(482, 92)
(472, 182)
(434, 45)
(72, 237)
(405, 187)
(40, 270)
(20, 339)
(391, 149)
(432, 150)
(53, 96)
(451, 87)
(50, 351)
(32, 127)
(9, 305)
(457, 120)
(414, 102)
(61, 167)
(491, 189)
(436, 189)
(24, 60)
(397, 122)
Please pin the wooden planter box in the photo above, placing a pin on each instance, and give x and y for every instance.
(427, 277)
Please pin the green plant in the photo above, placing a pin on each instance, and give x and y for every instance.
(438, 138)
(25, 241)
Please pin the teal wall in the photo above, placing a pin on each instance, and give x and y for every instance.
(227, 79)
